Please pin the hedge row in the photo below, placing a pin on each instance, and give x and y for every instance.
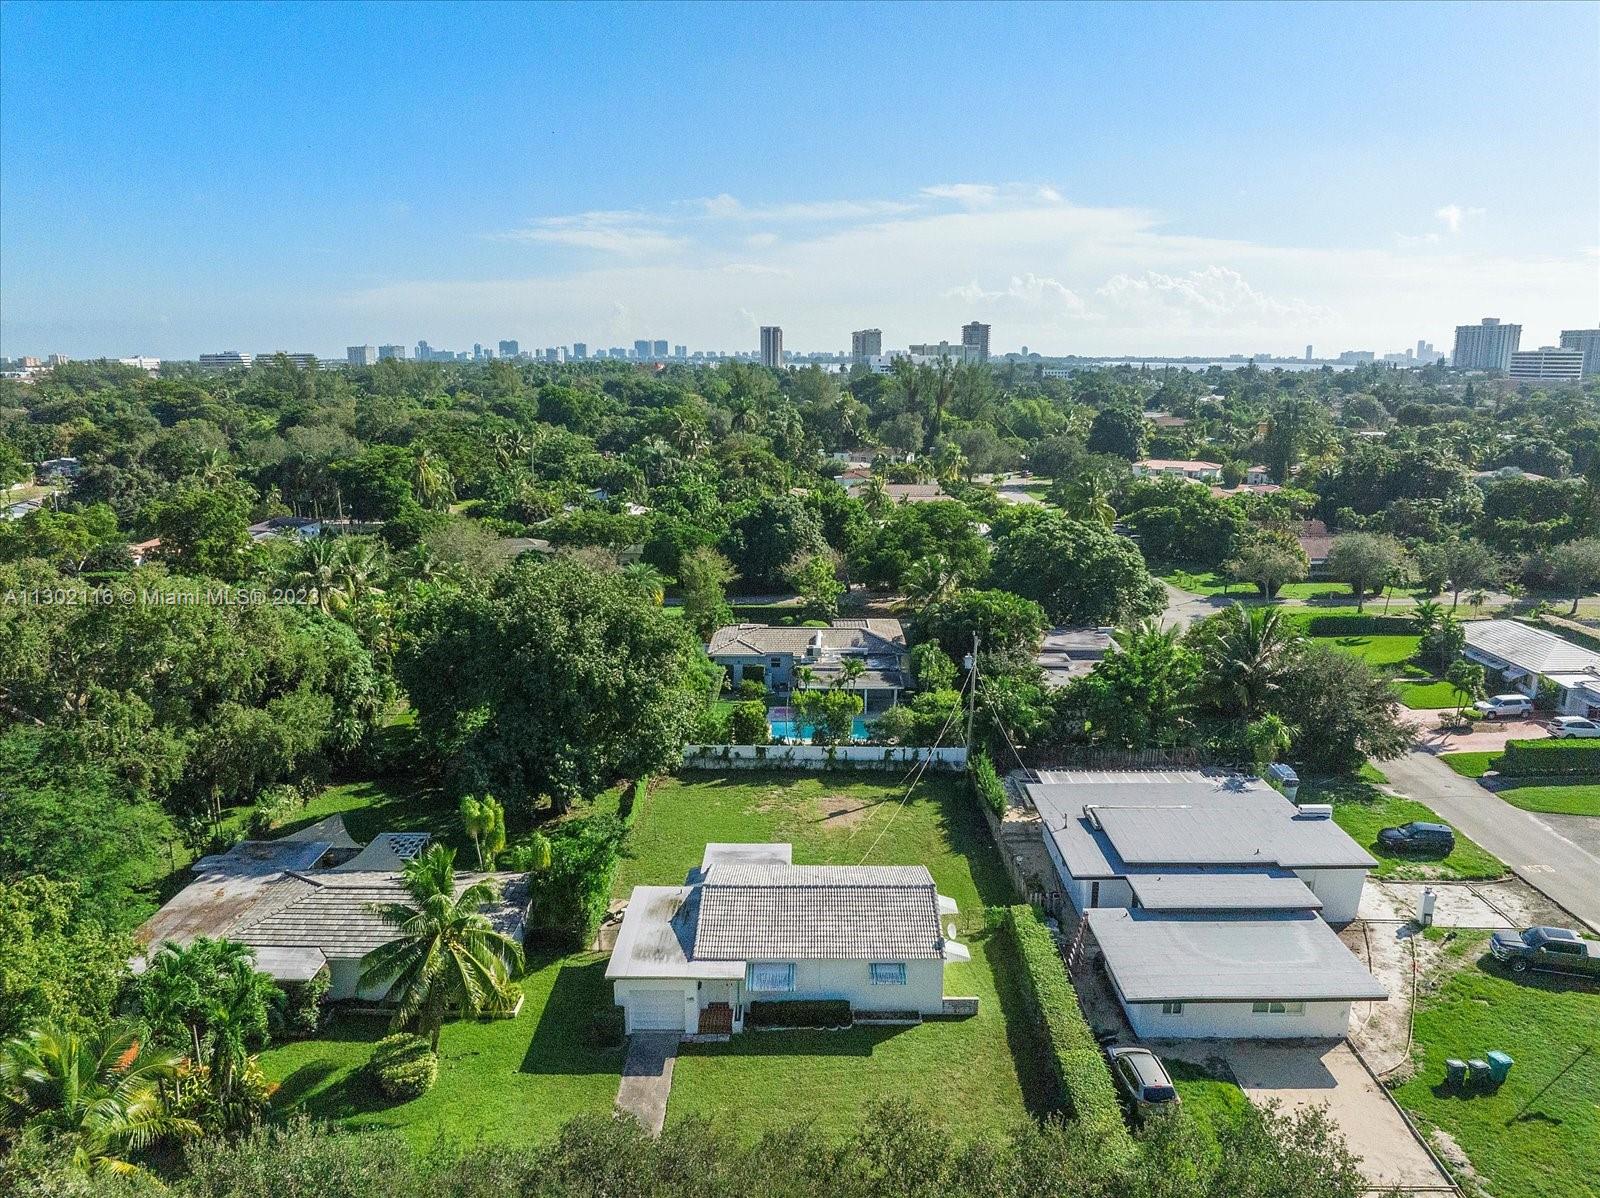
(1084, 1081)
(1526, 758)
(986, 784)
(800, 1012)
(1362, 625)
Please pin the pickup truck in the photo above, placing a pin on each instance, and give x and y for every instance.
(1554, 949)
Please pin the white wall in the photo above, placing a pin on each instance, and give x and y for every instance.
(1339, 890)
(344, 976)
(623, 987)
(819, 757)
(850, 980)
(1236, 1021)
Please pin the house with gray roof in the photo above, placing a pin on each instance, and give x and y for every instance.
(305, 902)
(1209, 897)
(748, 926)
(772, 655)
(1523, 655)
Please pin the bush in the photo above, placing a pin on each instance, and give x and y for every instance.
(305, 1011)
(1085, 1086)
(403, 1066)
(747, 725)
(276, 804)
(570, 898)
(1357, 625)
(986, 784)
(800, 1012)
(1528, 758)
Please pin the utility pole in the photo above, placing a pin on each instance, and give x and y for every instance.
(972, 683)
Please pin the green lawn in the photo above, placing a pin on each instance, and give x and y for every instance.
(1426, 696)
(1208, 1098)
(1470, 765)
(1209, 582)
(1566, 797)
(1361, 809)
(512, 1081)
(1385, 651)
(1538, 1136)
(991, 1061)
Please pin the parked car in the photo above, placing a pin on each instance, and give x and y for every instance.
(1557, 950)
(1143, 1081)
(1419, 837)
(1564, 726)
(1499, 707)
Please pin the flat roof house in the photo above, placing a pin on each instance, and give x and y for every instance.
(1210, 898)
(1194, 471)
(750, 926)
(771, 654)
(304, 902)
(285, 526)
(1523, 655)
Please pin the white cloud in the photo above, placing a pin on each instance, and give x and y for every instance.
(726, 207)
(970, 194)
(1215, 297)
(1454, 215)
(1025, 291)
(624, 233)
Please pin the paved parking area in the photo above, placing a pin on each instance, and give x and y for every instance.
(647, 1078)
(1484, 736)
(1306, 1075)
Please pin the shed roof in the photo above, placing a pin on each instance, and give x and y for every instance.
(1287, 956)
(1222, 890)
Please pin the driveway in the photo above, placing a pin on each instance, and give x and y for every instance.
(1536, 847)
(647, 1078)
(1185, 607)
(1484, 737)
(1306, 1075)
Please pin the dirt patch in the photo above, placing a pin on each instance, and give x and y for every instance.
(1450, 1152)
(844, 811)
(1392, 951)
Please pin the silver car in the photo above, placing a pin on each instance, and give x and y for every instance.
(1143, 1080)
(1572, 726)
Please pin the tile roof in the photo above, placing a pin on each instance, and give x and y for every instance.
(872, 636)
(754, 912)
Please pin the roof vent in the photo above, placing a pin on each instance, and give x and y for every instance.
(1314, 811)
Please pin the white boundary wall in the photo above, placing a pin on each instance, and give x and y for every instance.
(820, 757)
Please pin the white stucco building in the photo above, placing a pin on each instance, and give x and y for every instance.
(1522, 655)
(1210, 897)
(750, 926)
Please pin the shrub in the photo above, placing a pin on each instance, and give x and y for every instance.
(747, 725)
(751, 690)
(276, 804)
(403, 1066)
(570, 898)
(305, 1011)
(1526, 758)
(986, 784)
(1362, 625)
(1084, 1081)
(800, 1012)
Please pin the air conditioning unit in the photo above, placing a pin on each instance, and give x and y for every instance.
(1315, 811)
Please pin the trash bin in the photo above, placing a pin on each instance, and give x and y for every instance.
(1499, 1066)
(1455, 1072)
(1477, 1071)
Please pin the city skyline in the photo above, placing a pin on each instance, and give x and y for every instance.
(1108, 216)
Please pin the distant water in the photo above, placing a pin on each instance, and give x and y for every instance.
(1155, 364)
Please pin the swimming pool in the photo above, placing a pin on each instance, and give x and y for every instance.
(788, 728)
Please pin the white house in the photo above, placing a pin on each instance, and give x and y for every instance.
(751, 926)
(285, 526)
(770, 654)
(1210, 898)
(1200, 472)
(1523, 655)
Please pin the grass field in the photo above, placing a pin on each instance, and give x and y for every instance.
(511, 1081)
(1566, 797)
(1470, 765)
(1386, 652)
(1212, 583)
(991, 1061)
(1361, 809)
(1208, 1099)
(1538, 1136)
(1426, 696)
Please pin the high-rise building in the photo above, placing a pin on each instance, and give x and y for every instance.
(580, 351)
(299, 361)
(680, 351)
(641, 349)
(361, 355)
(772, 346)
(508, 349)
(424, 352)
(57, 360)
(395, 352)
(658, 349)
(866, 343)
(1587, 340)
(1486, 346)
(226, 360)
(975, 337)
(1308, 353)
(1546, 364)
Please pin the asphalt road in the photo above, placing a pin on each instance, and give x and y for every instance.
(1533, 845)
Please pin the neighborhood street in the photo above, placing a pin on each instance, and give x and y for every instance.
(1529, 843)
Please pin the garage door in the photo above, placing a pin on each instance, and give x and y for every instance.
(655, 1011)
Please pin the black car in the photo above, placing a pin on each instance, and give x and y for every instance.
(1418, 837)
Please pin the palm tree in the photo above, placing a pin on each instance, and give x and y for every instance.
(358, 566)
(1248, 654)
(1087, 499)
(1269, 738)
(647, 581)
(949, 463)
(485, 821)
(850, 668)
(930, 579)
(874, 496)
(102, 1092)
(315, 569)
(447, 954)
(431, 479)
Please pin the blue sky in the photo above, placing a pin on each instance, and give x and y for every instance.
(1087, 178)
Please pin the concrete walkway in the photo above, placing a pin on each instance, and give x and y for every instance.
(1530, 844)
(647, 1078)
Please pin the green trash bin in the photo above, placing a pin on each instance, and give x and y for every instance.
(1499, 1066)
(1477, 1071)
(1455, 1072)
